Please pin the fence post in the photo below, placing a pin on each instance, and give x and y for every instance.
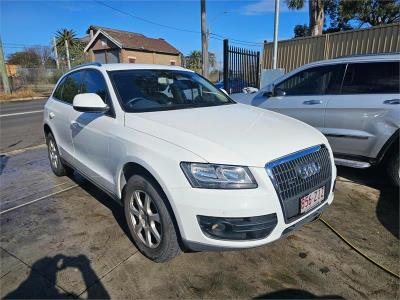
(3, 71)
(56, 53)
(226, 65)
(326, 46)
(258, 70)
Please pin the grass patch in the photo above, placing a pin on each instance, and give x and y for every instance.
(23, 93)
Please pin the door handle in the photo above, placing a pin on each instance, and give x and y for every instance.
(51, 115)
(392, 101)
(312, 102)
(75, 125)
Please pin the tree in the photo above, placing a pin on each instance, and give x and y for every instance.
(363, 12)
(46, 55)
(301, 31)
(344, 14)
(194, 60)
(212, 60)
(316, 13)
(27, 58)
(75, 46)
(68, 35)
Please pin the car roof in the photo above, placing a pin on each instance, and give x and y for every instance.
(123, 66)
(358, 58)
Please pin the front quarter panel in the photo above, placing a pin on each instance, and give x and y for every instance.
(162, 159)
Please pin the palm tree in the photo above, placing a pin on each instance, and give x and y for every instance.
(193, 61)
(69, 47)
(68, 35)
(316, 12)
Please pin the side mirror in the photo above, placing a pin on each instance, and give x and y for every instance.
(279, 92)
(268, 94)
(89, 102)
(226, 93)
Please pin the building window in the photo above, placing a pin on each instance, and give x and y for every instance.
(173, 62)
(106, 56)
(131, 59)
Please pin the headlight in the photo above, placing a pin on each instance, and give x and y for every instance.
(212, 176)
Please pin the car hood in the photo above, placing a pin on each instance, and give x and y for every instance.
(229, 134)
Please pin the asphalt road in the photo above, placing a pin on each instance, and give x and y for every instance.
(21, 124)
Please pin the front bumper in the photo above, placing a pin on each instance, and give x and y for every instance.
(190, 203)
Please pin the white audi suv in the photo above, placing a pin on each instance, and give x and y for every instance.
(192, 168)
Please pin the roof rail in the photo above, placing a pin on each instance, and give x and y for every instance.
(95, 63)
(367, 54)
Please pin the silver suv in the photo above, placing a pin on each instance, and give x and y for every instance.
(354, 101)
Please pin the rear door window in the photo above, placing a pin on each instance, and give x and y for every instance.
(372, 78)
(313, 81)
(72, 87)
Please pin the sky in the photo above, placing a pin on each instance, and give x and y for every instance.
(27, 23)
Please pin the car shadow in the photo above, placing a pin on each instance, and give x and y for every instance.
(387, 209)
(41, 282)
(116, 209)
(295, 294)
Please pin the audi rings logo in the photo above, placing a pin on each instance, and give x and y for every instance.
(308, 169)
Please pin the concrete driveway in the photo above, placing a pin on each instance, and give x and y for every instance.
(74, 243)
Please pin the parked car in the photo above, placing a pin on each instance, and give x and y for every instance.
(192, 168)
(236, 85)
(354, 101)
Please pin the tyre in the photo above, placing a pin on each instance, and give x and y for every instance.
(149, 220)
(56, 163)
(393, 169)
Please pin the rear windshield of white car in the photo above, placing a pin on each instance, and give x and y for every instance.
(155, 90)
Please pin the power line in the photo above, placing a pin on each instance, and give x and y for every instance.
(235, 41)
(20, 44)
(213, 35)
(145, 20)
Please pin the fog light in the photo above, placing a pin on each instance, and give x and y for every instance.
(218, 227)
(248, 228)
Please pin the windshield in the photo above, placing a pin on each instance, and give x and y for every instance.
(154, 90)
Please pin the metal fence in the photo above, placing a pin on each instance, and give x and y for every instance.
(297, 52)
(39, 79)
(241, 68)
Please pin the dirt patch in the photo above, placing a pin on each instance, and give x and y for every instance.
(24, 94)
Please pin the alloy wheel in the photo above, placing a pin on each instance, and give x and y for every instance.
(53, 154)
(145, 219)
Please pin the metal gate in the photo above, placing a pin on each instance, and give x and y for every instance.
(241, 68)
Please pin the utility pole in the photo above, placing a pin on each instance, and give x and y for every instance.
(56, 53)
(67, 52)
(209, 30)
(204, 42)
(276, 29)
(3, 71)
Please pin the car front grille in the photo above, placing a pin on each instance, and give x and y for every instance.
(291, 184)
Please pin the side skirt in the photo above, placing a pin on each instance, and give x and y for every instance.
(99, 186)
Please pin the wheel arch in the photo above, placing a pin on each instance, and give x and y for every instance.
(137, 168)
(46, 129)
(390, 147)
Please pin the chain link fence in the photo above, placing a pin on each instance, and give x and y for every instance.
(40, 80)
